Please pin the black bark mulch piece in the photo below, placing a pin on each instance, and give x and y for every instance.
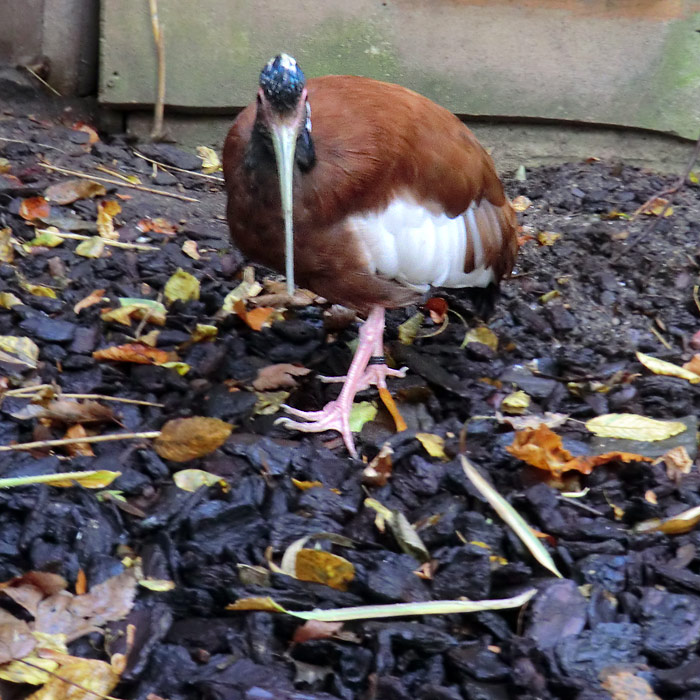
(628, 600)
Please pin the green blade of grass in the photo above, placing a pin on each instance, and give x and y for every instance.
(510, 516)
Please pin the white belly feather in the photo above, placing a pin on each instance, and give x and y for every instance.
(420, 248)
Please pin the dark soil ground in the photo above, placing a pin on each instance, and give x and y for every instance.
(628, 600)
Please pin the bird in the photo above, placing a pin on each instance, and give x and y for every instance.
(368, 194)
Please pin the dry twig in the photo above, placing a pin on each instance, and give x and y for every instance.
(159, 107)
(96, 178)
(179, 170)
(74, 441)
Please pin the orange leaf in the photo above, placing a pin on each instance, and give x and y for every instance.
(94, 297)
(183, 439)
(34, 208)
(256, 318)
(316, 629)
(158, 225)
(106, 211)
(133, 352)
(542, 448)
(82, 126)
(81, 583)
(693, 365)
(80, 448)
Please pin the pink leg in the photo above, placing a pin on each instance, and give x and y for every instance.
(336, 414)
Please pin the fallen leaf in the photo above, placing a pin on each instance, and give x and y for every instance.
(190, 249)
(79, 448)
(38, 290)
(203, 332)
(248, 288)
(616, 215)
(34, 208)
(408, 330)
(95, 297)
(87, 479)
(159, 585)
(667, 368)
(306, 485)
(89, 130)
(133, 352)
(183, 439)
(625, 685)
(677, 524)
(314, 629)
(521, 203)
(269, 402)
(378, 471)
(483, 335)
(93, 247)
(16, 639)
(280, 376)
(70, 191)
(546, 298)
(8, 300)
(434, 445)
(678, 463)
(7, 252)
(78, 679)
(693, 365)
(516, 403)
(106, 211)
(629, 426)
(158, 225)
(193, 479)
(262, 603)
(68, 411)
(548, 237)
(47, 238)
(361, 412)
(551, 420)
(182, 368)
(210, 160)
(182, 286)
(258, 317)
(323, 567)
(138, 309)
(32, 668)
(542, 448)
(23, 349)
(657, 207)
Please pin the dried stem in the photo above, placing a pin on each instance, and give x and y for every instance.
(106, 241)
(26, 392)
(74, 441)
(96, 178)
(43, 145)
(159, 107)
(42, 81)
(179, 170)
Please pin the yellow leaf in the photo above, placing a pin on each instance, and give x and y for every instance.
(548, 237)
(47, 238)
(265, 603)
(203, 332)
(106, 211)
(160, 585)
(78, 679)
(323, 567)
(306, 485)
(553, 294)
(182, 286)
(95, 297)
(629, 426)
(693, 177)
(409, 329)
(521, 203)
(182, 368)
(93, 247)
(516, 403)
(183, 439)
(8, 300)
(38, 290)
(24, 349)
(193, 479)
(434, 445)
(677, 524)
(667, 368)
(482, 335)
(19, 672)
(362, 412)
(245, 290)
(210, 160)
(87, 479)
(189, 248)
(7, 253)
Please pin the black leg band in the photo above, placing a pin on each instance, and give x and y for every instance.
(377, 360)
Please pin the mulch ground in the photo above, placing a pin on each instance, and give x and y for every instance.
(568, 326)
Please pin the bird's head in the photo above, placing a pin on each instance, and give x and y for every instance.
(283, 110)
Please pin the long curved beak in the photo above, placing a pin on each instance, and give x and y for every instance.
(284, 141)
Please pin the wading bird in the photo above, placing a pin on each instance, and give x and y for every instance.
(368, 194)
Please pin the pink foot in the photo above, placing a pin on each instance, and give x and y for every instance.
(374, 375)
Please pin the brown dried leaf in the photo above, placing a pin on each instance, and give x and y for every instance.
(693, 365)
(622, 684)
(158, 225)
(323, 567)
(678, 462)
(7, 252)
(133, 352)
(190, 249)
(95, 297)
(34, 208)
(551, 420)
(316, 629)
(78, 448)
(183, 439)
(542, 448)
(378, 471)
(70, 191)
(280, 376)
(92, 133)
(16, 639)
(68, 411)
(521, 203)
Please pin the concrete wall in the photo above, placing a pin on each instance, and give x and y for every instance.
(62, 34)
(628, 62)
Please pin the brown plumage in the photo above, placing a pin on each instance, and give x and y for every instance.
(367, 193)
(372, 141)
